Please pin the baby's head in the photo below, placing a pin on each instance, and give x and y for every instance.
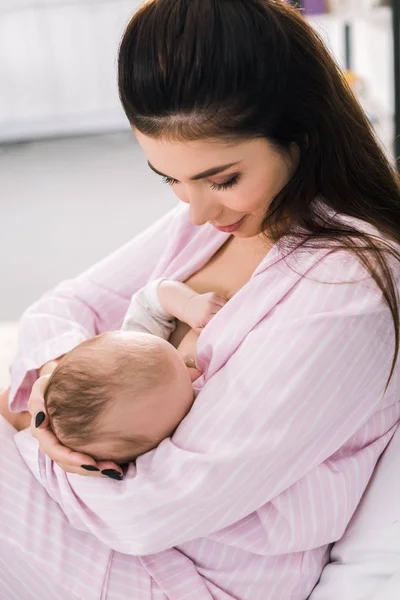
(118, 395)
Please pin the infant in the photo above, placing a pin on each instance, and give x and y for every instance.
(118, 395)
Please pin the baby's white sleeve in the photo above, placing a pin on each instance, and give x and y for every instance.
(146, 315)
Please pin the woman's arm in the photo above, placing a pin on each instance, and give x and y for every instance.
(20, 420)
(90, 304)
(305, 380)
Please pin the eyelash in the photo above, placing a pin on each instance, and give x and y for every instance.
(214, 186)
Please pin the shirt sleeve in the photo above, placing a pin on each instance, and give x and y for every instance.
(90, 304)
(146, 315)
(301, 383)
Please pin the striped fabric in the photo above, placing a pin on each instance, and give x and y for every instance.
(263, 474)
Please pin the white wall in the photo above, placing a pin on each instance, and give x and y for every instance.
(65, 204)
(58, 66)
(372, 58)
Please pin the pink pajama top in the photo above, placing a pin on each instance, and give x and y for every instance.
(266, 470)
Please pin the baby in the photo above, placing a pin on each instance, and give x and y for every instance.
(118, 395)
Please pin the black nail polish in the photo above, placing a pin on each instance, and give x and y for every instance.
(40, 417)
(113, 474)
(89, 468)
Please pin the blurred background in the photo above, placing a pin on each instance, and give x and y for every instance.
(74, 184)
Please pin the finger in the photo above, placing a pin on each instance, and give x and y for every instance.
(50, 445)
(213, 307)
(48, 368)
(79, 470)
(39, 420)
(36, 399)
(110, 469)
(220, 298)
(213, 312)
(220, 301)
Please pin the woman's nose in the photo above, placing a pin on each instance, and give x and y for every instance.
(202, 209)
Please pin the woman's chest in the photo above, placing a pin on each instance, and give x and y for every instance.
(225, 273)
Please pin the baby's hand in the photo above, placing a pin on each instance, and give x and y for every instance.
(201, 308)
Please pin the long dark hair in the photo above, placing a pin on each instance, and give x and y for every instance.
(192, 69)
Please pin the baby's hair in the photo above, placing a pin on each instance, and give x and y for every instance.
(87, 380)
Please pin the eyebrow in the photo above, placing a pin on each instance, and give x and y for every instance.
(203, 175)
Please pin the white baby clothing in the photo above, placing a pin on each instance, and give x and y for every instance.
(146, 315)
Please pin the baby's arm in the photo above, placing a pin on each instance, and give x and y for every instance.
(146, 315)
(183, 303)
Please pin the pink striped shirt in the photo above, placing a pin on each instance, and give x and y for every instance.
(262, 475)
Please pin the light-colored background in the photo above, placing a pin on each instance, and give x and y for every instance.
(58, 59)
(67, 201)
(65, 204)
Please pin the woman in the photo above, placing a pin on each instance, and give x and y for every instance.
(291, 209)
(365, 563)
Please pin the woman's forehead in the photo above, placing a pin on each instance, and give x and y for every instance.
(192, 158)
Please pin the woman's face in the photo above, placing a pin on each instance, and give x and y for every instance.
(229, 186)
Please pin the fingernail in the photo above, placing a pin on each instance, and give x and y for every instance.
(40, 417)
(89, 468)
(113, 474)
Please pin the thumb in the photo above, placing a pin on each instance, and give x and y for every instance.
(36, 400)
(48, 368)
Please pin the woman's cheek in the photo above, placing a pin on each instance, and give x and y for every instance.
(246, 200)
(260, 195)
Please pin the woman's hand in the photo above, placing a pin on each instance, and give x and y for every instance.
(48, 367)
(69, 460)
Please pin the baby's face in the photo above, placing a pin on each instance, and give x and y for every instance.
(154, 414)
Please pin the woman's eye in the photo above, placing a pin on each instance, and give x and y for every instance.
(227, 185)
(214, 186)
(169, 180)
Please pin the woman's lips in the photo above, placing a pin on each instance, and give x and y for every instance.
(230, 228)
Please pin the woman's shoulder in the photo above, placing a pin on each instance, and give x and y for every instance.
(345, 258)
(330, 276)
